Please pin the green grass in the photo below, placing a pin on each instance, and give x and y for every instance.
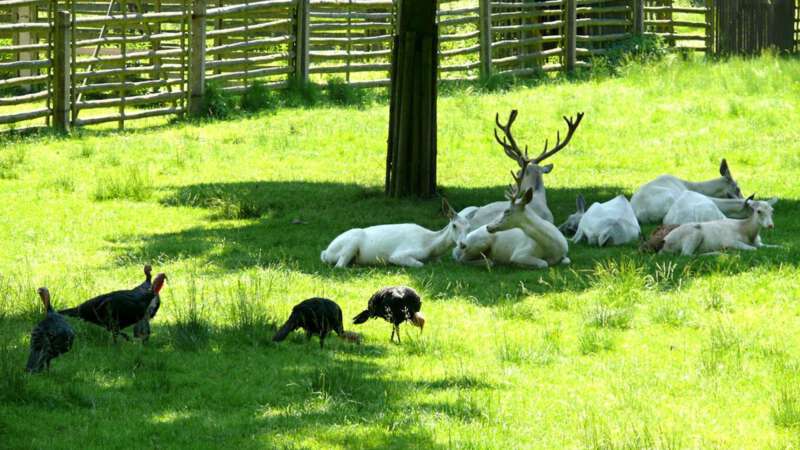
(617, 350)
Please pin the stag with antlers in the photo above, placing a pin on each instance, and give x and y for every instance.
(530, 170)
(551, 246)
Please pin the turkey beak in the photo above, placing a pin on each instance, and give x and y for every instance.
(419, 321)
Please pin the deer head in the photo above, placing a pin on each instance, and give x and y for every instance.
(531, 170)
(570, 227)
(762, 211)
(458, 227)
(514, 215)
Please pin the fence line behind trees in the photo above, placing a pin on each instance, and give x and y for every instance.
(83, 62)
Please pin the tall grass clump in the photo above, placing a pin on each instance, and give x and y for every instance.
(247, 315)
(191, 330)
(217, 104)
(10, 159)
(257, 97)
(130, 184)
(341, 93)
(617, 288)
(13, 381)
(593, 341)
(722, 351)
(299, 94)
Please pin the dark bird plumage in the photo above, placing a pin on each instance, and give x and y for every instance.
(50, 338)
(119, 309)
(317, 316)
(395, 305)
(142, 328)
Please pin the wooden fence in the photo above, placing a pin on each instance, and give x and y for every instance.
(750, 26)
(70, 63)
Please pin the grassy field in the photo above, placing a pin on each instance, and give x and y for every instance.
(618, 350)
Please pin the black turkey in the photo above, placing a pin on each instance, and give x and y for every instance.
(119, 309)
(50, 338)
(317, 316)
(142, 328)
(395, 305)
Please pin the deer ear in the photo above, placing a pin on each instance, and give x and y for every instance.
(772, 201)
(547, 168)
(581, 203)
(749, 200)
(724, 170)
(528, 196)
(447, 209)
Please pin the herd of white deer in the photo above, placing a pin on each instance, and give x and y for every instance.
(697, 218)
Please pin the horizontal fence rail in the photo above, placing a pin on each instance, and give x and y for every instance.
(70, 63)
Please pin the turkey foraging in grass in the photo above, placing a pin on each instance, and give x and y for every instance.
(142, 328)
(50, 338)
(120, 309)
(317, 316)
(395, 305)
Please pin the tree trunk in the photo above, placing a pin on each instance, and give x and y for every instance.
(411, 154)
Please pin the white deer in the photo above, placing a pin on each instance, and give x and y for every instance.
(405, 244)
(718, 235)
(652, 201)
(503, 247)
(531, 172)
(612, 222)
(695, 207)
(551, 246)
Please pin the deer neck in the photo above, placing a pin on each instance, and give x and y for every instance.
(536, 228)
(749, 228)
(730, 206)
(710, 188)
(440, 241)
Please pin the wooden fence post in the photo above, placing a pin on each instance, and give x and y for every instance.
(571, 34)
(709, 28)
(62, 91)
(197, 61)
(301, 62)
(485, 29)
(638, 17)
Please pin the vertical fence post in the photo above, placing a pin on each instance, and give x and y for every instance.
(197, 61)
(571, 34)
(638, 17)
(62, 90)
(709, 28)
(301, 62)
(485, 30)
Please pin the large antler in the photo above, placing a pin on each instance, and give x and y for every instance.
(572, 125)
(508, 143)
(513, 151)
(514, 191)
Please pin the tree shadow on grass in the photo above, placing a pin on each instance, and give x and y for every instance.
(290, 223)
(219, 396)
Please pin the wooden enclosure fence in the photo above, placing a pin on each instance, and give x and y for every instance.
(67, 63)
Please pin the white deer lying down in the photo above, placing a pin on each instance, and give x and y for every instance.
(695, 207)
(531, 172)
(404, 244)
(715, 236)
(652, 201)
(551, 246)
(502, 247)
(612, 222)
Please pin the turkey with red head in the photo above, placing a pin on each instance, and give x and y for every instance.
(120, 309)
(50, 338)
(317, 316)
(395, 305)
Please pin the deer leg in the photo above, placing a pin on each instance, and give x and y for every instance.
(691, 243)
(529, 261)
(405, 260)
(739, 245)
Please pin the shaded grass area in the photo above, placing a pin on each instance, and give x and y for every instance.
(617, 350)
